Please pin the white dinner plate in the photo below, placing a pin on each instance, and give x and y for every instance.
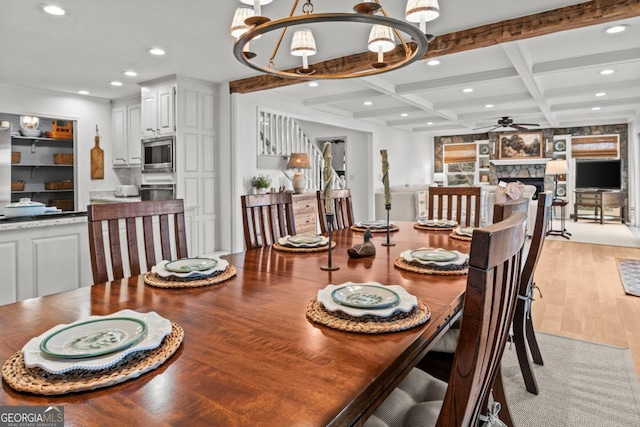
(94, 337)
(157, 328)
(435, 255)
(302, 239)
(406, 304)
(220, 266)
(444, 223)
(373, 224)
(365, 296)
(459, 261)
(187, 265)
(464, 231)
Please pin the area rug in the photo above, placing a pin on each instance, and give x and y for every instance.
(581, 384)
(597, 234)
(630, 275)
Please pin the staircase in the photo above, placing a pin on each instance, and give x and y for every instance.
(280, 136)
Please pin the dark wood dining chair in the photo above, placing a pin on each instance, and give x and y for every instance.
(489, 305)
(131, 216)
(266, 218)
(458, 203)
(523, 332)
(506, 209)
(343, 208)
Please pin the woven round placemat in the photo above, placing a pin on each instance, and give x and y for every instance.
(368, 324)
(153, 279)
(39, 381)
(277, 246)
(460, 237)
(392, 228)
(426, 227)
(402, 264)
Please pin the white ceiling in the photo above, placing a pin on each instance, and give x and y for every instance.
(550, 80)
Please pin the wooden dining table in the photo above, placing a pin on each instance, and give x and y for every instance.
(250, 356)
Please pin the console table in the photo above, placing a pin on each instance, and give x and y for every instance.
(599, 200)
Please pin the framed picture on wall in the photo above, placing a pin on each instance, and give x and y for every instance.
(520, 145)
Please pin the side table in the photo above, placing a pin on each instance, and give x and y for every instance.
(563, 231)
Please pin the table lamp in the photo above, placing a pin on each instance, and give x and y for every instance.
(298, 161)
(555, 168)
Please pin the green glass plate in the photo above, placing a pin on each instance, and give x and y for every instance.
(94, 338)
(434, 255)
(365, 296)
(187, 265)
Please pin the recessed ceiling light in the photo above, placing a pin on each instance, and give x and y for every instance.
(130, 73)
(404, 114)
(433, 62)
(489, 105)
(367, 103)
(54, 10)
(116, 83)
(84, 92)
(607, 72)
(616, 29)
(156, 51)
(467, 90)
(313, 84)
(429, 123)
(595, 108)
(601, 93)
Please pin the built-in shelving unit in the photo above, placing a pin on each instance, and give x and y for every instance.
(36, 167)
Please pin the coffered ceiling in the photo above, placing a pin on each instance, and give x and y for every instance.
(551, 80)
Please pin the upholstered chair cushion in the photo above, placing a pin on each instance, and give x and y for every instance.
(448, 342)
(415, 402)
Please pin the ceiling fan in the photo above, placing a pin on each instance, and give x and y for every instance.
(507, 122)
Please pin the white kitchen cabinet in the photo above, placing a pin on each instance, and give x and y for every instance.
(39, 258)
(126, 136)
(158, 109)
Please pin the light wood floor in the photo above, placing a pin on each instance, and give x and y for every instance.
(583, 296)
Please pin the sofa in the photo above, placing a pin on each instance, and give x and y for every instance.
(407, 201)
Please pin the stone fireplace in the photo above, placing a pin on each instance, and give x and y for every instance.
(530, 174)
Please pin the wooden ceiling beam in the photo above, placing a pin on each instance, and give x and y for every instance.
(565, 18)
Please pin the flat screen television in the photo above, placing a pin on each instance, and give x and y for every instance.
(598, 174)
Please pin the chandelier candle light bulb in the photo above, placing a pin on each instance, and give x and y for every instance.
(328, 177)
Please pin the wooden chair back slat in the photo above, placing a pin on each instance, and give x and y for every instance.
(462, 204)
(506, 209)
(343, 210)
(266, 218)
(112, 213)
(537, 237)
(489, 303)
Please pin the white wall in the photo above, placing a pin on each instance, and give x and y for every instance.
(87, 111)
(634, 170)
(410, 155)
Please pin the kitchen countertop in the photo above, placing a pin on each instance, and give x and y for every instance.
(45, 220)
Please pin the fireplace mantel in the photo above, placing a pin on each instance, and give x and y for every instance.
(519, 162)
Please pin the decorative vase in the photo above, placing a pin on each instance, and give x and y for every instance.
(261, 190)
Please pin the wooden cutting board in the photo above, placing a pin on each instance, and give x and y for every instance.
(97, 160)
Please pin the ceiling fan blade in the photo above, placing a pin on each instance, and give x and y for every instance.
(527, 124)
(519, 127)
(484, 127)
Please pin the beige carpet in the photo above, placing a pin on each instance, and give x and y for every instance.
(581, 384)
(613, 234)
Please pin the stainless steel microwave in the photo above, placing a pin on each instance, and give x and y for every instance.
(158, 155)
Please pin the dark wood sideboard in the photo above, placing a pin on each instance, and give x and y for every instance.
(598, 200)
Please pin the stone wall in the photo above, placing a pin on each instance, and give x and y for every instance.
(537, 170)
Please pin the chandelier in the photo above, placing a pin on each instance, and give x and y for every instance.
(249, 24)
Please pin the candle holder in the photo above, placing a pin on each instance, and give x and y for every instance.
(329, 267)
(387, 206)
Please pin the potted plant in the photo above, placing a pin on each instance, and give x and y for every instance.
(260, 183)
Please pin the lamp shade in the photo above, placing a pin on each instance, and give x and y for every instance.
(303, 43)
(381, 39)
(299, 161)
(238, 27)
(422, 10)
(252, 2)
(556, 167)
